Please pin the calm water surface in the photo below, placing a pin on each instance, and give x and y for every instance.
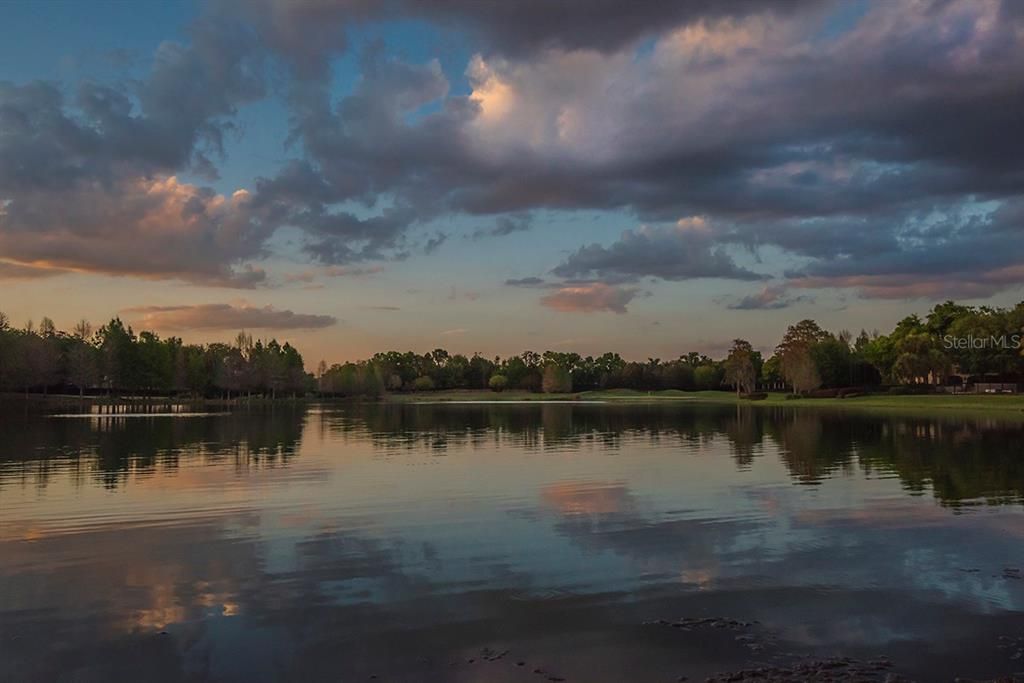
(454, 542)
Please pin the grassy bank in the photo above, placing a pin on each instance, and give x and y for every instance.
(973, 404)
(943, 404)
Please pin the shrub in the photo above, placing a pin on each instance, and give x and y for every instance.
(706, 377)
(423, 383)
(498, 382)
(755, 396)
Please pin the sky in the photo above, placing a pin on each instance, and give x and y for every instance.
(493, 177)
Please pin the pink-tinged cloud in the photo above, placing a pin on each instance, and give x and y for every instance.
(18, 271)
(155, 228)
(590, 298)
(227, 317)
(921, 286)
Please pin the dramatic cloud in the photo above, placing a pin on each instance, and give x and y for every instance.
(590, 298)
(683, 252)
(796, 138)
(534, 25)
(832, 135)
(953, 251)
(159, 228)
(89, 184)
(227, 317)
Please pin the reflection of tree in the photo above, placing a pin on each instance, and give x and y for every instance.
(745, 433)
(963, 460)
(529, 426)
(799, 436)
(113, 446)
(959, 458)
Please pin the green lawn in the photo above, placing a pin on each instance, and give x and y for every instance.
(973, 404)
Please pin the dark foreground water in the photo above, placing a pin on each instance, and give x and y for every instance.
(497, 543)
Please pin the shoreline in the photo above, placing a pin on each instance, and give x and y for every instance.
(973, 405)
(939, 405)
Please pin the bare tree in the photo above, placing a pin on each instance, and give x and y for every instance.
(83, 329)
(46, 327)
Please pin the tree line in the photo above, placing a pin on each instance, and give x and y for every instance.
(942, 346)
(114, 359)
(919, 352)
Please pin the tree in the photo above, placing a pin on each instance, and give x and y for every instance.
(834, 361)
(423, 383)
(497, 382)
(294, 368)
(83, 329)
(919, 360)
(798, 368)
(118, 365)
(557, 379)
(795, 353)
(83, 366)
(805, 333)
(707, 377)
(739, 367)
(42, 353)
(46, 327)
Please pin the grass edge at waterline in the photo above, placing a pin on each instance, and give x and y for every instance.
(921, 403)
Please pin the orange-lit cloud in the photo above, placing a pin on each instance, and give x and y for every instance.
(590, 298)
(155, 228)
(227, 317)
(18, 271)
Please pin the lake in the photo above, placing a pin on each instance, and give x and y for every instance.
(587, 542)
